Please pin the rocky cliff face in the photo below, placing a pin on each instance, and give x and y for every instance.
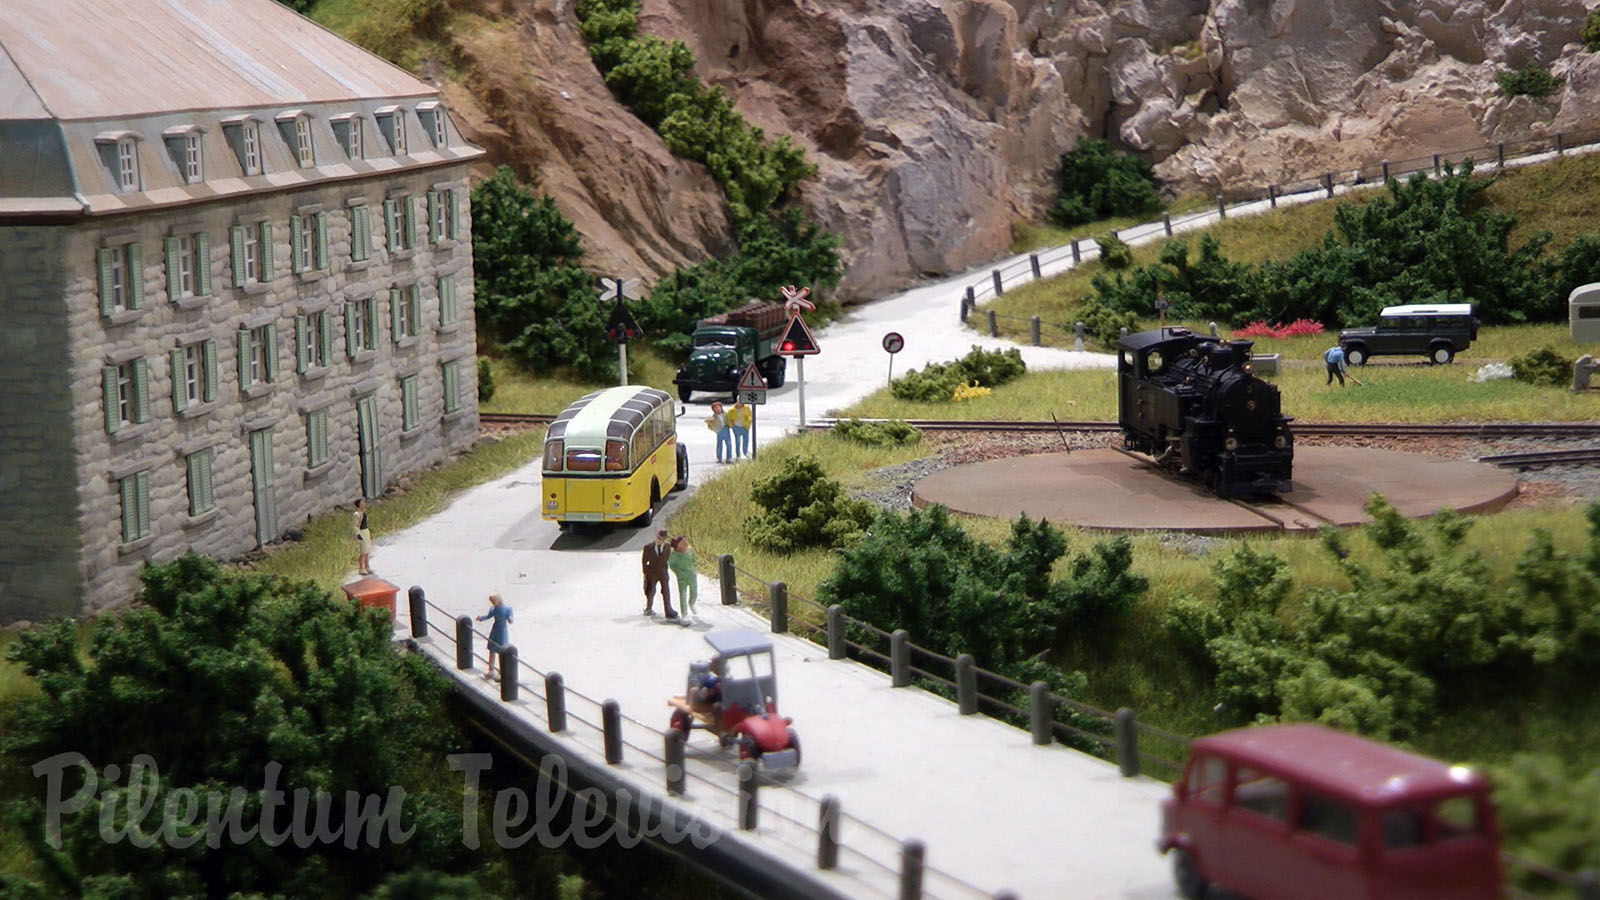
(937, 123)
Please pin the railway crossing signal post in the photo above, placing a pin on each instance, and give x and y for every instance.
(797, 341)
(621, 327)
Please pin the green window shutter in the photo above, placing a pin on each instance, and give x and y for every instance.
(302, 345)
(395, 311)
(324, 336)
(130, 508)
(174, 286)
(136, 276)
(180, 394)
(266, 252)
(450, 214)
(321, 259)
(244, 359)
(208, 355)
(108, 389)
(236, 238)
(350, 347)
(195, 502)
(371, 337)
(270, 353)
(388, 225)
(360, 233)
(211, 498)
(450, 297)
(141, 491)
(106, 257)
(202, 265)
(411, 221)
(414, 310)
(311, 440)
(435, 217)
(297, 259)
(141, 390)
(452, 387)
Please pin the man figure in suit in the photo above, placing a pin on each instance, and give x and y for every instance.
(655, 572)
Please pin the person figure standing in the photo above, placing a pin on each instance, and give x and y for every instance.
(718, 422)
(499, 632)
(1336, 365)
(739, 421)
(654, 562)
(363, 538)
(681, 562)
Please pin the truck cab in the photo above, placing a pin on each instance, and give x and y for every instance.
(722, 347)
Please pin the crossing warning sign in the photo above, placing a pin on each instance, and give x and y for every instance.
(752, 380)
(797, 340)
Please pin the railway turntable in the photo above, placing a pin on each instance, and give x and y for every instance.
(1111, 490)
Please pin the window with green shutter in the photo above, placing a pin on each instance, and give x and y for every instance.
(297, 244)
(447, 299)
(391, 228)
(243, 340)
(316, 438)
(141, 390)
(452, 386)
(135, 506)
(200, 495)
(202, 264)
(135, 264)
(369, 323)
(360, 233)
(267, 273)
(411, 221)
(302, 344)
(111, 393)
(180, 392)
(121, 276)
(208, 355)
(110, 288)
(269, 352)
(450, 214)
(408, 403)
(319, 241)
(396, 315)
(236, 255)
(352, 330)
(322, 328)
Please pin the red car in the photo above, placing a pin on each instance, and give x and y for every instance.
(1295, 811)
(735, 697)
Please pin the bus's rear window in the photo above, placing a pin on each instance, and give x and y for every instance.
(616, 456)
(552, 456)
(583, 460)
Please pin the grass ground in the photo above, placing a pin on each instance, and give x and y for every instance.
(517, 392)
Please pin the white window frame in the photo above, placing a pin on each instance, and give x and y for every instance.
(186, 265)
(302, 138)
(441, 134)
(120, 281)
(250, 141)
(252, 254)
(127, 164)
(193, 159)
(257, 342)
(127, 398)
(194, 372)
(397, 133)
(397, 223)
(317, 323)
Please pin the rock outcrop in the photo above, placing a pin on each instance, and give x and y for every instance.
(936, 124)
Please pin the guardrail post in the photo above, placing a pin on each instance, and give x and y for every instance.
(1033, 259)
(828, 833)
(1436, 164)
(555, 701)
(1166, 223)
(967, 303)
(1123, 331)
(464, 643)
(1077, 335)
(1500, 154)
(748, 805)
(674, 764)
(1588, 885)
(1039, 709)
(994, 328)
(611, 724)
(1272, 195)
(1127, 743)
(1327, 182)
(1077, 255)
(727, 580)
(900, 658)
(778, 601)
(836, 648)
(1222, 207)
(419, 611)
(999, 285)
(1033, 328)
(966, 684)
(508, 675)
(912, 857)
(1560, 140)
(1386, 171)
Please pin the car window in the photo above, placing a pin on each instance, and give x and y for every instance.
(583, 460)
(1262, 794)
(1328, 818)
(1207, 778)
(713, 340)
(1455, 817)
(552, 456)
(1400, 828)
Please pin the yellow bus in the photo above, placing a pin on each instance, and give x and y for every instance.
(611, 456)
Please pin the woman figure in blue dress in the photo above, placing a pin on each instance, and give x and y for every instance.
(499, 632)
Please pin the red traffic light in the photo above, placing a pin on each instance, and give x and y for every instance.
(788, 346)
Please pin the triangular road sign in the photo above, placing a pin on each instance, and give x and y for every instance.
(752, 381)
(621, 327)
(797, 340)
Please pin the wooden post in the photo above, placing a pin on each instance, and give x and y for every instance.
(727, 580)
(994, 328)
(1327, 182)
(555, 701)
(836, 645)
(1033, 329)
(900, 658)
(778, 600)
(828, 833)
(1222, 207)
(1033, 259)
(999, 286)
(1127, 743)
(464, 643)
(419, 611)
(611, 726)
(674, 762)
(508, 674)
(749, 805)
(1272, 195)
(1039, 712)
(966, 684)
(913, 856)
(1166, 223)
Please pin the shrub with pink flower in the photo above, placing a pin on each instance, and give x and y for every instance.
(1296, 328)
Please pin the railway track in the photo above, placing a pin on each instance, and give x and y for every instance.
(1541, 459)
(514, 419)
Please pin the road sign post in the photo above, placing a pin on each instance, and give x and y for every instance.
(752, 389)
(621, 327)
(893, 343)
(797, 341)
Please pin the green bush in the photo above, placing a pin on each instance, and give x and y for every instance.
(1115, 254)
(1543, 366)
(1104, 322)
(1590, 35)
(937, 382)
(895, 433)
(1528, 81)
(1098, 184)
(1549, 808)
(485, 381)
(804, 508)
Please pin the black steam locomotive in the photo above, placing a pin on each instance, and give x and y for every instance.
(1193, 404)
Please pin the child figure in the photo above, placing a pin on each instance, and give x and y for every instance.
(681, 562)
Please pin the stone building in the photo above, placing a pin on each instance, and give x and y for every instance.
(235, 286)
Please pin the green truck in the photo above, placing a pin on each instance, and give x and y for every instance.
(723, 346)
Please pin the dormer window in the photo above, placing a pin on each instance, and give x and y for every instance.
(185, 146)
(434, 122)
(244, 135)
(119, 150)
(295, 128)
(351, 135)
(392, 122)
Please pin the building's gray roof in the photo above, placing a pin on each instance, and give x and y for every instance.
(93, 59)
(77, 74)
